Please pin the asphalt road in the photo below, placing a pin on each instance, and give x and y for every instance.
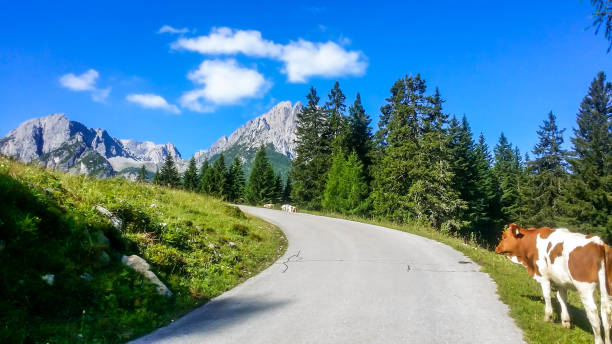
(348, 282)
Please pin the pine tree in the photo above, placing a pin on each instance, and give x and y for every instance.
(204, 177)
(549, 175)
(346, 188)
(588, 197)
(142, 175)
(156, 180)
(359, 137)
(261, 186)
(507, 170)
(190, 177)
(218, 184)
(336, 122)
(278, 188)
(486, 206)
(308, 170)
(168, 175)
(236, 181)
(287, 191)
(413, 177)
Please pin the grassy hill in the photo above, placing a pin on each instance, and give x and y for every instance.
(198, 246)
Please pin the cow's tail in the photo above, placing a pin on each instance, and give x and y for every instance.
(605, 283)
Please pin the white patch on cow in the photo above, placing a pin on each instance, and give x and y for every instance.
(514, 259)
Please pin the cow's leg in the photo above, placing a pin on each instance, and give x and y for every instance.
(548, 311)
(586, 295)
(562, 297)
(606, 304)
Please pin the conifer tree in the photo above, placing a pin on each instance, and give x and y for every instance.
(308, 170)
(287, 191)
(346, 188)
(588, 198)
(156, 180)
(486, 206)
(414, 179)
(359, 138)
(142, 175)
(218, 184)
(190, 177)
(236, 180)
(261, 186)
(549, 175)
(204, 177)
(168, 175)
(507, 170)
(278, 188)
(336, 122)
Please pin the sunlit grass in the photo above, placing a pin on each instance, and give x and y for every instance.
(197, 245)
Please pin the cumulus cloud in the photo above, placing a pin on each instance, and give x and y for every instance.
(152, 101)
(302, 59)
(85, 82)
(224, 82)
(169, 29)
(224, 40)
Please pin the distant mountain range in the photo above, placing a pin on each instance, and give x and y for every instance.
(58, 143)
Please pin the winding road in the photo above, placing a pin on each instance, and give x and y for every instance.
(349, 282)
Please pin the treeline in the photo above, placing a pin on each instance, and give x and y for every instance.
(427, 167)
(225, 182)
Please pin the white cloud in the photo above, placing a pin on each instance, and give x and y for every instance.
(152, 101)
(169, 29)
(302, 59)
(224, 40)
(225, 82)
(85, 82)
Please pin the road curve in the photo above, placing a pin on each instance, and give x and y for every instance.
(348, 282)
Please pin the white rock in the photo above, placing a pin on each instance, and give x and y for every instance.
(141, 266)
(49, 278)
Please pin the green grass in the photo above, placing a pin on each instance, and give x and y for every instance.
(520, 292)
(49, 225)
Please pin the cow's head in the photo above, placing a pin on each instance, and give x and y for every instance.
(510, 240)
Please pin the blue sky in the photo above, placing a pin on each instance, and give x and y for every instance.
(503, 64)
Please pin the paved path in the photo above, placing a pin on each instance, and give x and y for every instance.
(347, 282)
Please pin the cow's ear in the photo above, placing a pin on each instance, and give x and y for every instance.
(515, 229)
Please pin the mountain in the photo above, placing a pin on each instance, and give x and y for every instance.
(58, 143)
(274, 130)
(61, 144)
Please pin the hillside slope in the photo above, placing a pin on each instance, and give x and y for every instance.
(198, 246)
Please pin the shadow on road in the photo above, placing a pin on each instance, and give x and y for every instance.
(213, 316)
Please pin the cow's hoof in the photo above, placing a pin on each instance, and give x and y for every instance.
(566, 324)
(548, 318)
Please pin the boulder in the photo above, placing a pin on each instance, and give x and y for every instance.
(49, 278)
(99, 238)
(141, 266)
(102, 259)
(115, 221)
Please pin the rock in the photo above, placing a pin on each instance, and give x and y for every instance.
(211, 245)
(153, 205)
(115, 221)
(141, 266)
(231, 244)
(49, 278)
(136, 263)
(86, 277)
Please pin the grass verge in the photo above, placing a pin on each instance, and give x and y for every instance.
(198, 246)
(520, 292)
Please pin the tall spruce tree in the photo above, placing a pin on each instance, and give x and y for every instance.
(287, 191)
(236, 181)
(261, 186)
(190, 177)
(588, 199)
(346, 189)
(218, 180)
(413, 177)
(549, 175)
(168, 175)
(359, 137)
(507, 171)
(313, 149)
(487, 222)
(142, 175)
(336, 122)
(204, 177)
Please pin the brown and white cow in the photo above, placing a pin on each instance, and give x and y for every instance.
(566, 259)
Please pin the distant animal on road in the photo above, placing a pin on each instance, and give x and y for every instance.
(568, 260)
(289, 208)
(269, 205)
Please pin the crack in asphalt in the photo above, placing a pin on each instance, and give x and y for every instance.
(296, 258)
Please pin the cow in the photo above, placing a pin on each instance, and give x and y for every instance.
(269, 205)
(289, 208)
(568, 260)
